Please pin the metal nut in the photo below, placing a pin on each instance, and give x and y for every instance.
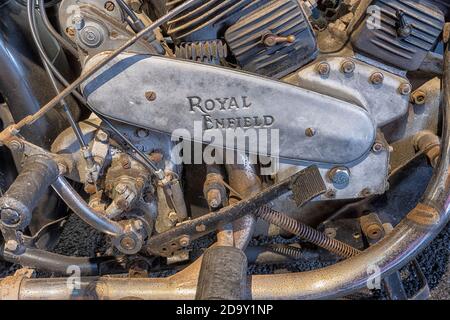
(418, 97)
(377, 147)
(324, 68)
(377, 78)
(128, 243)
(348, 67)
(340, 176)
(185, 241)
(405, 89)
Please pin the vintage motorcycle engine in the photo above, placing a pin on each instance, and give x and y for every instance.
(342, 114)
(224, 121)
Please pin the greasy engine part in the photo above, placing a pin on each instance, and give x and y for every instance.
(401, 33)
(273, 40)
(237, 103)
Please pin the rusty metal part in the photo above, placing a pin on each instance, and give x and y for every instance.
(429, 144)
(306, 232)
(372, 227)
(160, 244)
(418, 97)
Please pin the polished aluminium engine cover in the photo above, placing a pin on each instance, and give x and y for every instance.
(221, 99)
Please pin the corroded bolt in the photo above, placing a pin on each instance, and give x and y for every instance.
(377, 78)
(405, 89)
(11, 245)
(128, 243)
(348, 67)
(173, 217)
(109, 6)
(374, 231)
(214, 198)
(102, 136)
(310, 132)
(70, 31)
(184, 241)
(150, 95)
(200, 228)
(324, 68)
(418, 97)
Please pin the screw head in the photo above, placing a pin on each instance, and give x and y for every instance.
(310, 132)
(348, 67)
(128, 243)
(109, 6)
(340, 176)
(377, 78)
(102, 136)
(324, 68)
(150, 95)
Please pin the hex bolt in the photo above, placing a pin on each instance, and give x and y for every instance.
(91, 36)
(200, 228)
(185, 241)
(173, 217)
(377, 78)
(214, 198)
(310, 132)
(340, 176)
(128, 243)
(10, 217)
(418, 97)
(110, 6)
(324, 68)
(377, 147)
(11, 245)
(348, 67)
(142, 133)
(102, 136)
(150, 95)
(405, 89)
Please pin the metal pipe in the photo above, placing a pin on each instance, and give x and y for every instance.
(245, 181)
(79, 206)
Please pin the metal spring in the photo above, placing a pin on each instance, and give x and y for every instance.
(306, 232)
(287, 251)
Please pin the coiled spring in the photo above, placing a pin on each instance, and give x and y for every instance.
(306, 232)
